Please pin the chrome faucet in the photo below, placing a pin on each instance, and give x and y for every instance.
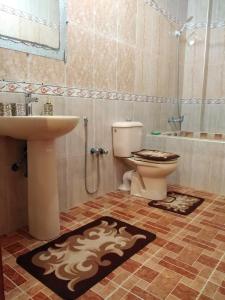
(176, 120)
(28, 102)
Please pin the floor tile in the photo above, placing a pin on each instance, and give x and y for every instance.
(185, 261)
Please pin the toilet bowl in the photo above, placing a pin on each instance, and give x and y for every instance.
(151, 167)
(150, 178)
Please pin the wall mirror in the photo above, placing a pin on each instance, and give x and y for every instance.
(36, 27)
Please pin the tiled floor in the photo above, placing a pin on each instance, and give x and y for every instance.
(186, 261)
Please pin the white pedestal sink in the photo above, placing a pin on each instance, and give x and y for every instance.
(40, 132)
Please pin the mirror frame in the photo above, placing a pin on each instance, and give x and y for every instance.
(38, 49)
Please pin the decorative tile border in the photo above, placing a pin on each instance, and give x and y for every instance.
(212, 25)
(43, 89)
(189, 26)
(203, 101)
(163, 12)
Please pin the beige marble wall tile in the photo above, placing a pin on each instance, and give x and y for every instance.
(199, 47)
(148, 114)
(72, 154)
(124, 110)
(151, 31)
(192, 73)
(81, 12)
(104, 117)
(140, 24)
(150, 73)
(125, 68)
(213, 120)
(13, 65)
(173, 45)
(216, 46)
(172, 89)
(223, 80)
(192, 117)
(106, 17)
(164, 38)
(214, 81)
(163, 76)
(198, 81)
(139, 82)
(79, 69)
(127, 16)
(187, 85)
(105, 55)
(12, 98)
(45, 70)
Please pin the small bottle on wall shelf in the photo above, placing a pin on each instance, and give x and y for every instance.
(48, 108)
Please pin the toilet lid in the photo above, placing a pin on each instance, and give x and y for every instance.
(155, 161)
(155, 155)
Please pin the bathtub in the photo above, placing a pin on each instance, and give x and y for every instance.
(198, 135)
(202, 158)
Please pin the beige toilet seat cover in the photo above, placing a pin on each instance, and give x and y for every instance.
(155, 155)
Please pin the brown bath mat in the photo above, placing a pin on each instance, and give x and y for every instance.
(73, 263)
(178, 203)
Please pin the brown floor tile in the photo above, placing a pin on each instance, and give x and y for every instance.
(143, 294)
(217, 277)
(146, 274)
(131, 265)
(185, 254)
(40, 296)
(210, 290)
(208, 261)
(8, 285)
(185, 293)
(202, 297)
(221, 267)
(164, 283)
(90, 295)
(13, 275)
(173, 247)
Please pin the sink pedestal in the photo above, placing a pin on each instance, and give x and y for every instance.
(43, 202)
(40, 133)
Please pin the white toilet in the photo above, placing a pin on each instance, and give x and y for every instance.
(148, 179)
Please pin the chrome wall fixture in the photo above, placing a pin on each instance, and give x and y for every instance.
(95, 152)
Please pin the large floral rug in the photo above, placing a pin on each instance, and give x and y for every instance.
(73, 263)
(178, 203)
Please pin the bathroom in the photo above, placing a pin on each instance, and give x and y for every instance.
(156, 62)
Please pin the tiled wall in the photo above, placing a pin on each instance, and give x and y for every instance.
(124, 46)
(203, 67)
(195, 157)
(112, 45)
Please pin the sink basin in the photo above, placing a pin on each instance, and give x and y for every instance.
(40, 133)
(37, 127)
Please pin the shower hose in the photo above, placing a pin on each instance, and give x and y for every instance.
(86, 164)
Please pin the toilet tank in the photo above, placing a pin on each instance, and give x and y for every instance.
(127, 137)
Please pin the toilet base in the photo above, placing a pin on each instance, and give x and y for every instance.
(150, 188)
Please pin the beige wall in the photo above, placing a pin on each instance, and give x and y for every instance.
(203, 69)
(113, 45)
